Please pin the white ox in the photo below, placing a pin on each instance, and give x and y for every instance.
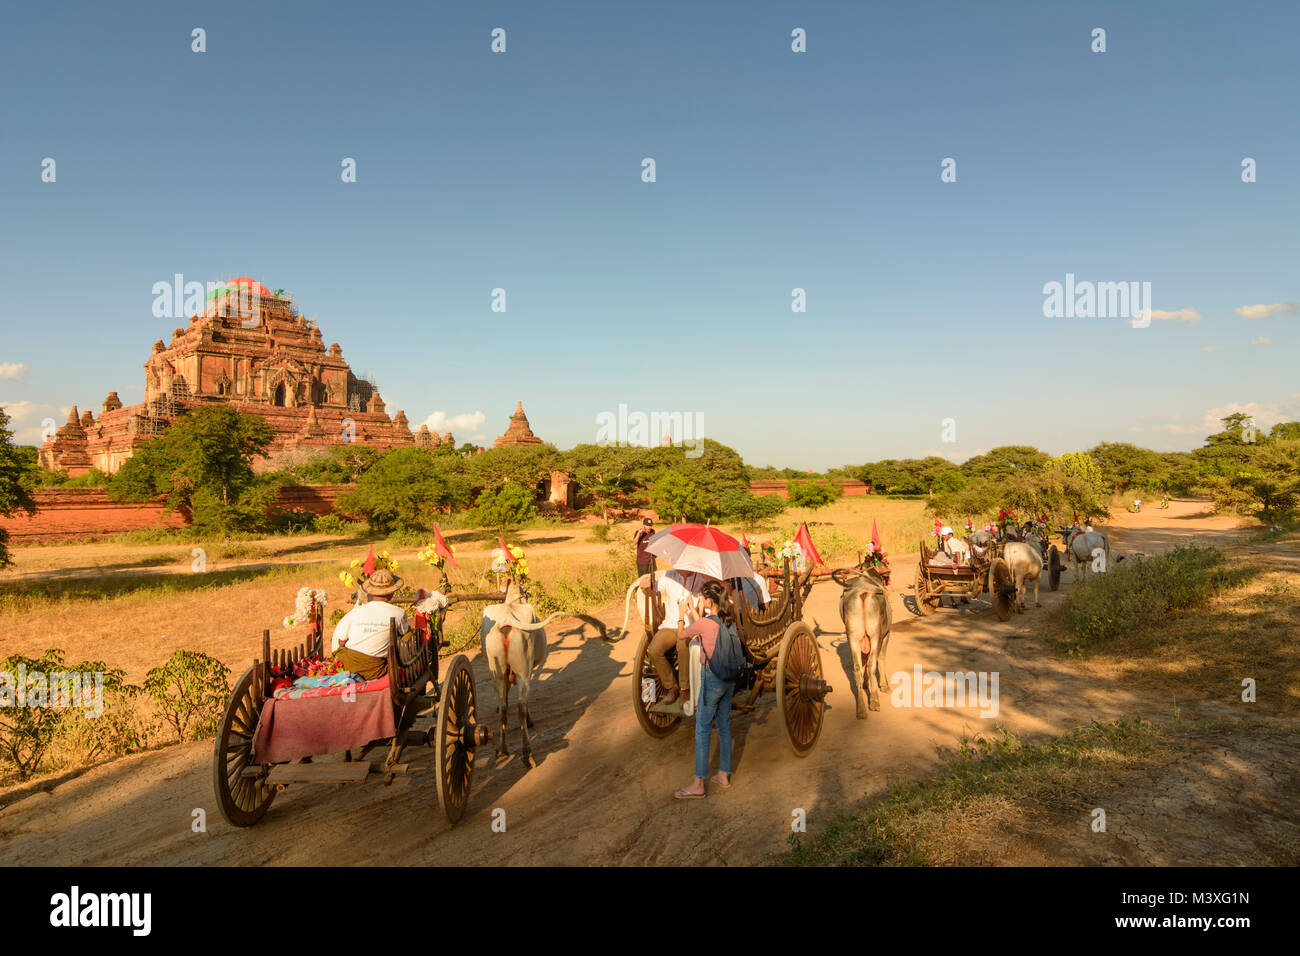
(865, 611)
(1083, 547)
(1025, 561)
(514, 641)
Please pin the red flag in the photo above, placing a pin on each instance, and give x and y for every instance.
(804, 540)
(1002, 514)
(1076, 518)
(744, 541)
(369, 566)
(440, 547)
(969, 525)
(510, 557)
(875, 536)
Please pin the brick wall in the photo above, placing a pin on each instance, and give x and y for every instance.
(81, 512)
(848, 487)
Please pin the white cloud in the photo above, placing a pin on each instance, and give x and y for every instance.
(1266, 415)
(1178, 315)
(1209, 348)
(1262, 341)
(442, 422)
(27, 420)
(12, 371)
(1264, 311)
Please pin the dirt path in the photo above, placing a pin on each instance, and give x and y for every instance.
(601, 792)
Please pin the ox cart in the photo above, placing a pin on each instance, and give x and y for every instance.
(779, 647)
(268, 737)
(986, 571)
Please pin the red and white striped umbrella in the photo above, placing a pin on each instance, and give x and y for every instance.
(699, 548)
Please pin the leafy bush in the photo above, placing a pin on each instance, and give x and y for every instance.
(600, 532)
(1143, 590)
(674, 496)
(337, 524)
(735, 504)
(503, 508)
(189, 693)
(806, 494)
(28, 732)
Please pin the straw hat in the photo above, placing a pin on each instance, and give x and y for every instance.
(381, 583)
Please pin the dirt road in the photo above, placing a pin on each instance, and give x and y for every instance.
(601, 792)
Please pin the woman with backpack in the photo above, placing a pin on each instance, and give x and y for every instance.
(719, 656)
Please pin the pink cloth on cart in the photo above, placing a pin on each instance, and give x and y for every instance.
(323, 720)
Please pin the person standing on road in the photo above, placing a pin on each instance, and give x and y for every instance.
(645, 562)
(715, 693)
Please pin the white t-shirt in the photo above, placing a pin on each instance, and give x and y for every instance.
(365, 628)
(956, 546)
(671, 590)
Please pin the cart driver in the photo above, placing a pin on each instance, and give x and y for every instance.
(953, 547)
(360, 641)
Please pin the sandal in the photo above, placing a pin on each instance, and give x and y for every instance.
(716, 778)
(684, 794)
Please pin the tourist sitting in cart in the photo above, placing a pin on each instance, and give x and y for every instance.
(360, 641)
(674, 588)
(950, 550)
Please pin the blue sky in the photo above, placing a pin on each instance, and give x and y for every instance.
(775, 171)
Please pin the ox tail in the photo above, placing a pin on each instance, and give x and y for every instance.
(627, 602)
(865, 648)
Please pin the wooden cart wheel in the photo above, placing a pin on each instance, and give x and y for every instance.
(926, 603)
(656, 725)
(458, 732)
(242, 800)
(1054, 568)
(801, 688)
(1002, 589)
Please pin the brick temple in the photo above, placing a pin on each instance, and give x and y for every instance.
(254, 352)
(518, 431)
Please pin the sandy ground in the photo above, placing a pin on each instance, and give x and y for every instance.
(601, 792)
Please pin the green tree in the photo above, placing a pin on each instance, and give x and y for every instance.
(1289, 431)
(501, 509)
(1267, 486)
(204, 458)
(1125, 466)
(675, 497)
(1005, 461)
(807, 494)
(605, 473)
(404, 487)
(341, 464)
(17, 468)
(747, 507)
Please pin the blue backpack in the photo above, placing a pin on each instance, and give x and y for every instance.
(728, 657)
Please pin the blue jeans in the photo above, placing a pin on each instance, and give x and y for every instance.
(715, 703)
